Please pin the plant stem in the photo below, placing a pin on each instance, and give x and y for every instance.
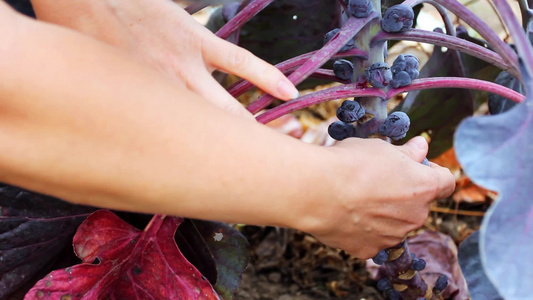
(451, 42)
(354, 90)
(198, 5)
(477, 24)
(346, 33)
(448, 23)
(338, 92)
(242, 17)
(241, 86)
(461, 83)
(154, 225)
(522, 43)
(328, 75)
(525, 12)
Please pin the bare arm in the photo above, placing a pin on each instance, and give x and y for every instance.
(82, 121)
(80, 116)
(168, 38)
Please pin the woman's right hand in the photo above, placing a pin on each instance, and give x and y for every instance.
(382, 192)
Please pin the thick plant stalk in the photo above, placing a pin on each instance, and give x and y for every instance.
(347, 32)
(407, 282)
(451, 42)
(242, 17)
(376, 54)
(354, 90)
(477, 24)
(241, 86)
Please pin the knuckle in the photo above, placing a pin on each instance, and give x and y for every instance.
(433, 185)
(420, 218)
(238, 58)
(419, 222)
(237, 109)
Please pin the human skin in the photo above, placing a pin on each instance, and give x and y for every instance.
(88, 123)
(163, 34)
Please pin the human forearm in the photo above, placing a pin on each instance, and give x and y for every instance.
(96, 128)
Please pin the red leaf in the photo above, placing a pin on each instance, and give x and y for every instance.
(130, 264)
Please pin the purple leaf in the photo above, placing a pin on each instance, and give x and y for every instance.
(122, 262)
(33, 231)
(479, 285)
(495, 151)
(218, 251)
(230, 251)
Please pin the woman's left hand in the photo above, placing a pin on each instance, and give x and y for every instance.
(164, 35)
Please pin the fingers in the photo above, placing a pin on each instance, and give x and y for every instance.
(206, 86)
(416, 148)
(445, 180)
(235, 60)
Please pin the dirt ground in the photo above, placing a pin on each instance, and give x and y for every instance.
(290, 265)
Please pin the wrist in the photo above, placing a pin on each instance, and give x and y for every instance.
(309, 212)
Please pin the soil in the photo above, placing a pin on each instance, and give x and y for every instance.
(291, 265)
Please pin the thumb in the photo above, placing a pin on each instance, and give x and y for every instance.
(416, 148)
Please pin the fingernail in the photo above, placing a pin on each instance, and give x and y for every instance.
(287, 89)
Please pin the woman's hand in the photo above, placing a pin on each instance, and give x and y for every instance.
(381, 193)
(164, 35)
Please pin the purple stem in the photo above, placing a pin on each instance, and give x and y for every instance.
(328, 75)
(242, 17)
(460, 83)
(341, 2)
(154, 225)
(525, 12)
(451, 42)
(353, 90)
(198, 5)
(347, 32)
(477, 24)
(338, 92)
(448, 23)
(520, 39)
(241, 86)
